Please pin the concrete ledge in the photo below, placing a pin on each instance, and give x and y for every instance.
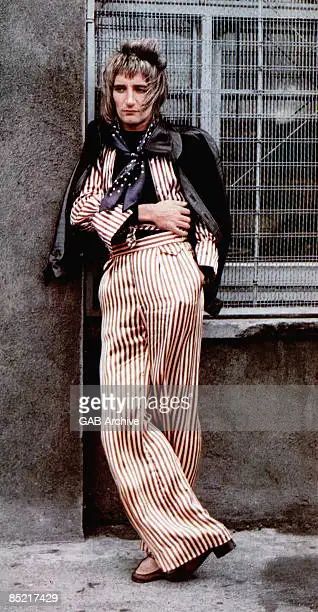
(223, 327)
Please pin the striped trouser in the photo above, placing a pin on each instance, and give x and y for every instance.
(152, 308)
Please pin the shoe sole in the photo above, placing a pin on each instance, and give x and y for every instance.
(141, 578)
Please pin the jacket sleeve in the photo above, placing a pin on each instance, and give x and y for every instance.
(209, 173)
(85, 210)
(205, 247)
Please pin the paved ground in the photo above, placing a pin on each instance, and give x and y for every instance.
(269, 570)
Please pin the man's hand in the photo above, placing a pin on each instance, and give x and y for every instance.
(169, 215)
(202, 277)
(209, 276)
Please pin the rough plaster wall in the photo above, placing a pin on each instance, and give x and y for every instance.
(262, 477)
(246, 478)
(43, 45)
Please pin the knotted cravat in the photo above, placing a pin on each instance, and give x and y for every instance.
(128, 185)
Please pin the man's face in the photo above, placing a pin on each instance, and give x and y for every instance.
(129, 96)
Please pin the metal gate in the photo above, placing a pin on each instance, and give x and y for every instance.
(247, 73)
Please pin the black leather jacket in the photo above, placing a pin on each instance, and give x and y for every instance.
(197, 164)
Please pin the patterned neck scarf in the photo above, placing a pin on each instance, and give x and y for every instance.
(128, 185)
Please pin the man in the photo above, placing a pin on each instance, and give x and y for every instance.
(139, 190)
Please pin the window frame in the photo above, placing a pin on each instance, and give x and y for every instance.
(211, 122)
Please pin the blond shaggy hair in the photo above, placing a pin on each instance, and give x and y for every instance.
(133, 57)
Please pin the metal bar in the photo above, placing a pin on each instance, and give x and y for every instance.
(206, 74)
(90, 61)
(194, 71)
(239, 10)
(260, 43)
(270, 311)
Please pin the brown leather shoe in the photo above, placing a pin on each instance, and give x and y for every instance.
(223, 549)
(187, 569)
(155, 575)
(183, 572)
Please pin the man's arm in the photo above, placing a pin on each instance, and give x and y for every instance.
(85, 210)
(206, 250)
(200, 161)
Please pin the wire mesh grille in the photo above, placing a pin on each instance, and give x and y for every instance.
(250, 79)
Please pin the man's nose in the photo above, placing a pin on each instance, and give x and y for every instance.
(130, 97)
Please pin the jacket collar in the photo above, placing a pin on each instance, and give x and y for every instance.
(165, 140)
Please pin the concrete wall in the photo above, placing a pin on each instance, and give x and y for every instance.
(42, 83)
(264, 477)
(250, 477)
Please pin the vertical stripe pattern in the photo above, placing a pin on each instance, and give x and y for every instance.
(152, 305)
(85, 210)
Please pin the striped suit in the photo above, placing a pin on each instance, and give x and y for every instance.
(152, 302)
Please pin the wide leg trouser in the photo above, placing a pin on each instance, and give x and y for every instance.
(152, 307)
